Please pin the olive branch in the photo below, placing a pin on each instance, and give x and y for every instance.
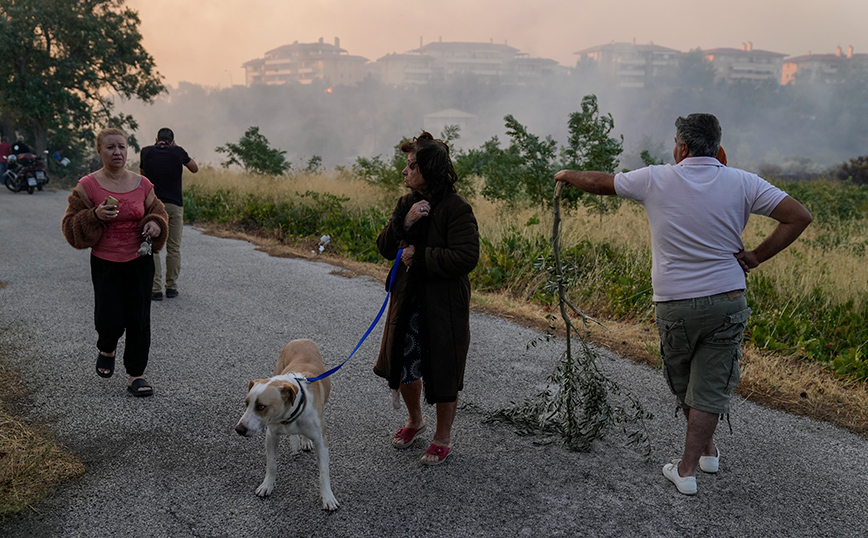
(575, 405)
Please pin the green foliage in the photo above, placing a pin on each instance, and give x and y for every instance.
(510, 262)
(576, 406)
(834, 334)
(450, 134)
(831, 203)
(353, 234)
(854, 170)
(499, 167)
(314, 165)
(649, 159)
(381, 173)
(388, 175)
(254, 153)
(64, 63)
(615, 277)
(524, 171)
(538, 166)
(589, 147)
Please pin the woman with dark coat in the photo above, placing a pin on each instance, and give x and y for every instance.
(427, 332)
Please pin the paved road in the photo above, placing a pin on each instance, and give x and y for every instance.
(172, 466)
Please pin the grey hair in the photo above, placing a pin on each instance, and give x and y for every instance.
(701, 133)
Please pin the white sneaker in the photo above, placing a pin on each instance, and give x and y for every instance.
(710, 464)
(685, 484)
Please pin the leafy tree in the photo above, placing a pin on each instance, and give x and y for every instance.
(524, 170)
(649, 159)
(589, 147)
(538, 156)
(314, 165)
(500, 168)
(63, 63)
(450, 134)
(388, 174)
(254, 153)
(384, 174)
(855, 170)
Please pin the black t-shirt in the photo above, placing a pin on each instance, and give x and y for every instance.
(163, 165)
(20, 147)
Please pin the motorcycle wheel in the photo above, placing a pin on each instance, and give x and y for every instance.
(10, 184)
(29, 189)
(39, 187)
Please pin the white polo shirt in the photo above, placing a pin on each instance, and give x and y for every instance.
(697, 211)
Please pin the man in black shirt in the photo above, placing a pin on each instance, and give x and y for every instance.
(20, 147)
(163, 164)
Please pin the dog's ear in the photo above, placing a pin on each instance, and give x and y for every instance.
(255, 382)
(288, 391)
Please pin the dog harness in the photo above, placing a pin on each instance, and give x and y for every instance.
(301, 404)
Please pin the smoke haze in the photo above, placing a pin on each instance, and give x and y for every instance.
(199, 47)
(205, 42)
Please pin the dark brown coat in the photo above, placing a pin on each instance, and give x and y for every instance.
(83, 230)
(447, 250)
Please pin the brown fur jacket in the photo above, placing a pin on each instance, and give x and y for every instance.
(83, 230)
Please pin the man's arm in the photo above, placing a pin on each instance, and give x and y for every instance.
(588, 181)
(192, 166)
(792, 219)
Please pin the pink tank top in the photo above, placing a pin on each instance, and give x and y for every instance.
(122, 237)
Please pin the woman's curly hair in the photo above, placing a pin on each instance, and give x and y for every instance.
(434, 162)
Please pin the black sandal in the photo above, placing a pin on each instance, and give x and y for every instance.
(140, 383)
(104, 362)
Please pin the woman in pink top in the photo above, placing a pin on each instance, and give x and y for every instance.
(112, 211)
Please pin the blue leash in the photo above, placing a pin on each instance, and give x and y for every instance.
(371, 328)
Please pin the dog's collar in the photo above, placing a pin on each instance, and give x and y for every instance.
(301, 404)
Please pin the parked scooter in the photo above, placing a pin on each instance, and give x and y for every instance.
(25, 171)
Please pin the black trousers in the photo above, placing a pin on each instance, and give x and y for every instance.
(122, 303)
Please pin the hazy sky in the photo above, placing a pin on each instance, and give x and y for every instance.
(206, 41)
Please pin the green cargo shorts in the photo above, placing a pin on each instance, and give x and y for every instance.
(700, 341)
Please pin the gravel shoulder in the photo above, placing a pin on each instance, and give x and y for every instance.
(172, 465)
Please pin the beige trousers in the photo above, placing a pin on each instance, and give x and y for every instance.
(173, 251)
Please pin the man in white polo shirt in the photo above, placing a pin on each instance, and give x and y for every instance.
(697, 210)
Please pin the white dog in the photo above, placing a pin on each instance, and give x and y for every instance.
(287, 404)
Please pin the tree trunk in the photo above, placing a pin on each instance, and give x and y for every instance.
(40, 142)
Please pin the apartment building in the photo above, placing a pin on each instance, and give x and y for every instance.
(404, 69)
(821, 67)
(746, 64)
(444, 61)
(304, 63)
(482, 60)
(631, 65)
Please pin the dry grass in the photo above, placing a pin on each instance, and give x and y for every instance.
(361, 195)
(31, 460)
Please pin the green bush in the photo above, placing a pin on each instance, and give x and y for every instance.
(353, 234)
(254, 153)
